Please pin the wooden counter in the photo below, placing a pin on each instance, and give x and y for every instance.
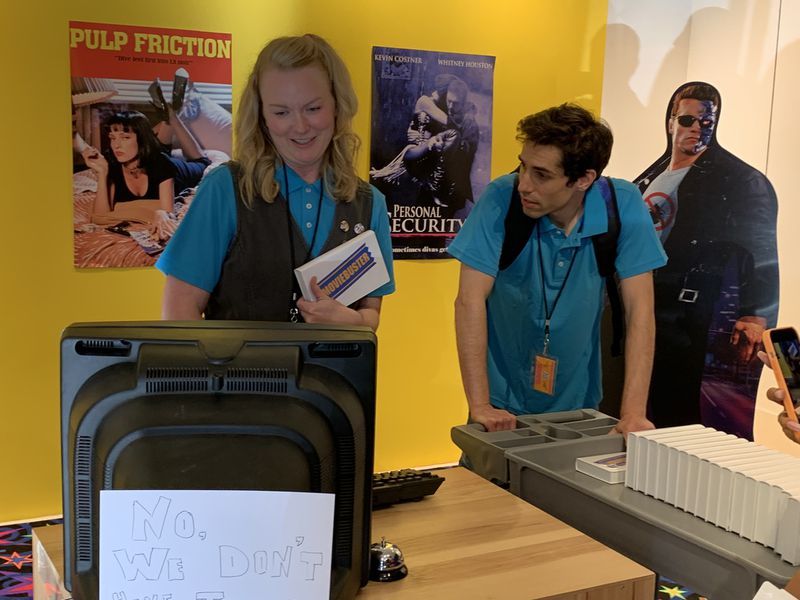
(473, 539)
(469, 540)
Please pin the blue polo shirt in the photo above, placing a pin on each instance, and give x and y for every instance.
(515, 307)
(196, 252)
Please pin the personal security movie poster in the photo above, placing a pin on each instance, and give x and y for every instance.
(430, 151)
(151, 113)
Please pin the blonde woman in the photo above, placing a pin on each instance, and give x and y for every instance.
(291, 193)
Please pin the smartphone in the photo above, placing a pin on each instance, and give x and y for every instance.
(783, 350)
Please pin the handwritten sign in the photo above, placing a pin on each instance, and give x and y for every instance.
(214, 545)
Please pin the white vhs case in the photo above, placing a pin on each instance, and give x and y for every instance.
(638, 452)
(768, 493)
(606, 467)
(727, 467)
(695, 495)
(782, 485)
(672, 465)
(348, 272)
(788, 542)
(659, 450)
(744, 493)
(707, 475)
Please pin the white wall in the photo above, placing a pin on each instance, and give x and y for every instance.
(652, 47)
(782, 168)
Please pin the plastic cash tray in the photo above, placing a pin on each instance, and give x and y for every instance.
(485, 451)
(665, 539)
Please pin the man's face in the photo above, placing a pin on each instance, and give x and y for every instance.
(692, 126)
(543, 186)
(455, 104)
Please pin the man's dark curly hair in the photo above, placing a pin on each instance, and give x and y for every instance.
(584, 140)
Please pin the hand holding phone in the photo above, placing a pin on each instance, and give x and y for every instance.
(783, 350)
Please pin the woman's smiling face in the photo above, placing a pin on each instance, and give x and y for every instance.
(300, 114)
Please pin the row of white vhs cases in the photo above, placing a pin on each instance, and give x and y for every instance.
(733, 483)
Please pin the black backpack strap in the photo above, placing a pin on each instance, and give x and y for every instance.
(518, 229)
(605, 251)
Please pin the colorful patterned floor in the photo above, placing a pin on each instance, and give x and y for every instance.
(666, 589)
(16, 560)
(16, 567)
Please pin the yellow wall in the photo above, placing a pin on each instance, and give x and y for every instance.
(544, 52)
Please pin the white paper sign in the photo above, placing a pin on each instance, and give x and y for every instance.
(214, 545)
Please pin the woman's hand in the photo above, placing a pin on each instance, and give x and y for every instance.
(326, 310)
(163, 225)
(95, 160)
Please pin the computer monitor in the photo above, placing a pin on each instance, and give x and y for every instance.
(217, 405)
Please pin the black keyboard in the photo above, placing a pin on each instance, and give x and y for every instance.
(404, 485)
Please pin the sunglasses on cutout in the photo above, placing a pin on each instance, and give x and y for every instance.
(688, 121)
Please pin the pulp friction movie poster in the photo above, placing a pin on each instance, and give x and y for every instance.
(151, 113)
(431, 143)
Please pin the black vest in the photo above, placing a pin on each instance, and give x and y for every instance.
(257, 278)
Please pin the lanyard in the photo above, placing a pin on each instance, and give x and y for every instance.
(548, 312)
(293, 310)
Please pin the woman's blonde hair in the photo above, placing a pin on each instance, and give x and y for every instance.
(254, 149)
